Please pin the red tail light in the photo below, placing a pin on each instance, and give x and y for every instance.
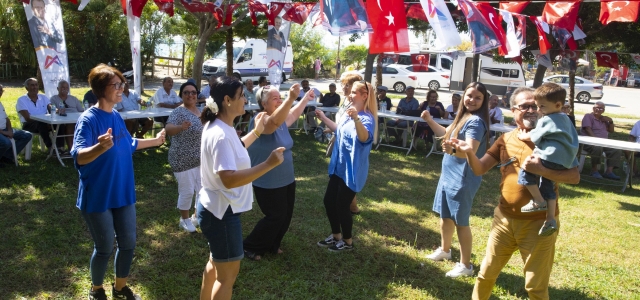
(445, 76)
(598, 87)
(413, 77)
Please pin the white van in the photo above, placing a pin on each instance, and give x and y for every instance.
(438, 59)
(250, 60)
(495, 76)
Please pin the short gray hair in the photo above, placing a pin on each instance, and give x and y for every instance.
(165, 79)
(599, 103)
(61, 82)
(517, 92)
(26, 82)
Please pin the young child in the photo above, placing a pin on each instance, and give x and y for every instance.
(556, 142)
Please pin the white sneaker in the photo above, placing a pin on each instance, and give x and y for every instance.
(194, 220)
(439, 255)
(460, 270)
(187, 225)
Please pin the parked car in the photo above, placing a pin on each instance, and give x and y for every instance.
(633, 80)
(585, 89)
(395, 77)
(432, 78)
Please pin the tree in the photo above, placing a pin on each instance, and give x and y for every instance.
(307, 44)
(354, 54)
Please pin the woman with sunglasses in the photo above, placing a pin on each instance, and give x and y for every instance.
(275, 191)
(356, 130)
(185, 127)
(458, 184)
(102, 152)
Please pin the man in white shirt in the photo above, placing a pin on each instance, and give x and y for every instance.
(132, 101)
(495, 114)
(206, 91)
(166, 97)
(33, 103)
(20, 137)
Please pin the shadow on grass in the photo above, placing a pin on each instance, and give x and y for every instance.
(515, 286)
(629, 206)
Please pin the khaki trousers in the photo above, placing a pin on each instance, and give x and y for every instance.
(508, 235)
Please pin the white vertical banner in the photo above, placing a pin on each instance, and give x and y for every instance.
(277, 46)
(513, 44)
(133, 23)
(442, 23)
(47, 33)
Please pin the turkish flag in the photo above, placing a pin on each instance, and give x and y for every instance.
(165, 6)
(542, 35)
(415, 11)
(561, 14)
(514, 6)
(274, 10)
(493, 19)
(389, 23)
(298, 12)
(607, 59)
(618, 11)
(256, 7)
(197, 6)
(136, 7)
(224, 14)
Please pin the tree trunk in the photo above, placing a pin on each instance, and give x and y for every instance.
(198, 59)
(368, 69)
(229, 46)
(379, 72)
(537, 80)
(475, 67)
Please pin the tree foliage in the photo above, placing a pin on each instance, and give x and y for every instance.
(307, 44)
(354, 55)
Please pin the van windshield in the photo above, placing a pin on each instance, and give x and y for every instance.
(222, 52)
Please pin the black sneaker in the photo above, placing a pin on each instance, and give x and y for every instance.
(328, 242)
(97, 294)
(124, 294)
(341, 246)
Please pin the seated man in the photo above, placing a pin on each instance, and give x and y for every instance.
(596, 125)
(90, 98)
(66, 104)
(309, 110)
(330, 99)
(384, 102)
(33, 103)
(495, 113)
(634, 136)
(20, 137)
(166, 98)
(206, 91)
(405, 105)
(131, 101)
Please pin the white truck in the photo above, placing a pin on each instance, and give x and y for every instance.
(497, 77)
(250, 60)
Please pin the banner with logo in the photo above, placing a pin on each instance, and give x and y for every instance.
(133, 23)
(45, 24)
(277, 41)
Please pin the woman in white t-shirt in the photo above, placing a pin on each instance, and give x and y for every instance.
(226, 184)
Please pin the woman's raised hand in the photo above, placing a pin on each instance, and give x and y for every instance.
(352, 112)
(460, 145)
(425, 115)
(294, 91)
(259, 122)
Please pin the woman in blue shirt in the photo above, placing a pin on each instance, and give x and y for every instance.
(355, 130)
(102, 149)
(458, 184)
(276, 190)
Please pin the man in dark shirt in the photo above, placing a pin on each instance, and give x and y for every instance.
(406, 104)
(91, 98)
(383, 99)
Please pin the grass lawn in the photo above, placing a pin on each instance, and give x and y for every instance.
(45, 248)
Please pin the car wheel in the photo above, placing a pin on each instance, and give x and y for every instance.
(434, 85)
(399, 87)
(583, 97)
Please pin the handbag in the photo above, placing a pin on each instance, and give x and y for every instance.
(330, 146)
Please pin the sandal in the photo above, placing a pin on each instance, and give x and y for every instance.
(252, 255)
(548, 228)
(532, 206)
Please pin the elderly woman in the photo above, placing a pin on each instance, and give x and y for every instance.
(184, 154)
(102, 152)
(66, 103)
(226, 184)
(356, 131)
(275, 191)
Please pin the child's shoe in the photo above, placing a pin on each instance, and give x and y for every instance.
(532, 206)
(548, 228)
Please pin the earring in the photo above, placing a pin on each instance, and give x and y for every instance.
(228, 104)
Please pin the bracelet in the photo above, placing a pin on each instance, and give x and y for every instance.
(255, 133)
(357, 120)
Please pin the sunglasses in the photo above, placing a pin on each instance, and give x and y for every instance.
(365, 85)
(189, 93)
(527, 107)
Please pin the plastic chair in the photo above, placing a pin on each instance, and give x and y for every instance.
(15, 155)
(29, 146)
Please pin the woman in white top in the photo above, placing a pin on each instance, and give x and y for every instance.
(452, 109)
(226, 184)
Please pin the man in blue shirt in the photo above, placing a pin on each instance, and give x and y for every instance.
(405, 105)
(131, 101)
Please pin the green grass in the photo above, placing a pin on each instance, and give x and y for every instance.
(45, 248)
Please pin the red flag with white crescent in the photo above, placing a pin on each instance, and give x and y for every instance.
(542, 35)
(165, 6)
(197, 6)
(298, 12)
(618, 11)
(562, 14)
(254, 7)
(390, 32)
(493, 19)
(607, 59)
(514, 6)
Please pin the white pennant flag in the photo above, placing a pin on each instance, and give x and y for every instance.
(543, 59)
(442, 23)
(133, 23)
(513, 44)
(83, 4)
(578, 34)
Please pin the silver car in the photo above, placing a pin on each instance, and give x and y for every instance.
(585, 89)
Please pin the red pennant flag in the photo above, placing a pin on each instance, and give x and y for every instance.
(274, 10)
(73, 1)
(221, 16)
(25, 1)
(256, 7)
(607, 59)
(389, 23)
(561, 14)
(492, 18)
(517, 59)
(514, 6)
(136, 6)
(197, 6)
(618, 11)
(298, 12)
(165, 6)
(415, 11)
(542, 35)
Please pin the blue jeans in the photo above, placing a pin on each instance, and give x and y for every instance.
(21, 138)
(545, 185)
(224, 236)
(103, 225)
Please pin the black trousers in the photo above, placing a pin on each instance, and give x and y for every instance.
(43, 130)
(337, 200)
(277, 207)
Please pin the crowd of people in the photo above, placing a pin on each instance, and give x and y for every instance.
(219, 171)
